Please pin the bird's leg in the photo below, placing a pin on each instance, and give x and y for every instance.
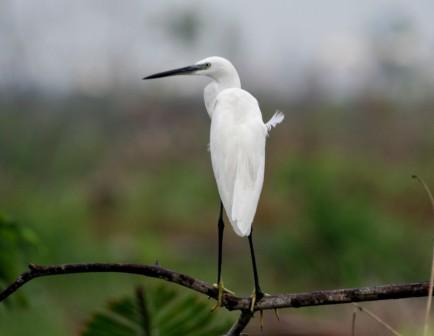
(221, 227)
(257, 292)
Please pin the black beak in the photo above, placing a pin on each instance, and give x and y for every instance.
(181, 71)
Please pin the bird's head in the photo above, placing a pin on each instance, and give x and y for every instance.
(214, 67)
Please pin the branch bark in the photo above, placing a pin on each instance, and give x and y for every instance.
(230, 302)
(242, 322)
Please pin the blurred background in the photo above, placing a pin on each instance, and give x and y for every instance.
(97, 165)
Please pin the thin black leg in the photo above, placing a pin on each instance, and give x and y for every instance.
(221, 227)
(258, 291)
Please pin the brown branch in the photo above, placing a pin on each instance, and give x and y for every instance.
(153, 271)
(338, 296)
(230, 302)
(240, 324)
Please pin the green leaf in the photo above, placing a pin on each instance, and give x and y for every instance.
(160, 311)
(17, 243)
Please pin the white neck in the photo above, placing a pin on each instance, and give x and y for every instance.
(221, 81)
(227, 79)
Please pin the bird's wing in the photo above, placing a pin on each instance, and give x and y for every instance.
(237, 145)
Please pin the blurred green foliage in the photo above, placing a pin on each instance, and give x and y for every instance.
(17, 243)
(344, 237)
(162, 311)
(128, 180)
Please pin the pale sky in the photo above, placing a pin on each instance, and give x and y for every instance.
(92, 46)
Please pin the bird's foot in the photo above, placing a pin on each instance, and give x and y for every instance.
(221, 291)
(255, 297)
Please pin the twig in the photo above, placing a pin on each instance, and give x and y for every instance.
(427, 189)
(230, 302)
(338, 296)
(431, 282)
(378, 319)
(153, 271)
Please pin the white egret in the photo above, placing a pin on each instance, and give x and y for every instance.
(237, 146)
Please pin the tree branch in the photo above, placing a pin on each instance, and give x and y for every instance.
(153, 271)
(241, 323)
(339, 296)
(230, 302)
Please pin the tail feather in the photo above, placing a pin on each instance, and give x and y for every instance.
(276, 119)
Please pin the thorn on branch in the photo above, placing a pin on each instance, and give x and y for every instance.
(33, 267)
(427, 189)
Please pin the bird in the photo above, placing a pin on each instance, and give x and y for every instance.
(237, 147)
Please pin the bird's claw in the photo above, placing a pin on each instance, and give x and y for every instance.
(225, 290)
(252, 301)
(256, 296)
(221, 290)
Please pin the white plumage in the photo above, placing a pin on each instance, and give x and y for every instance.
(237, 144)
(237, 138)
(276, 119)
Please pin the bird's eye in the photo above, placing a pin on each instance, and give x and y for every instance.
(208, 65)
